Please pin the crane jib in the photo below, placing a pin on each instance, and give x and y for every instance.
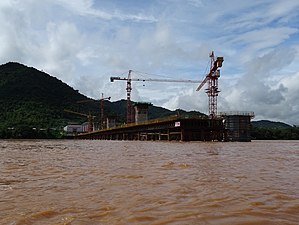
(112, 79)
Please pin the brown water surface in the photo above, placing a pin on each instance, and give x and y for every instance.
(120, 182)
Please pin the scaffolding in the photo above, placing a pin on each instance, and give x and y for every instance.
(237, 125)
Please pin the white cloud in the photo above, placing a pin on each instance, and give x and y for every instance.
(87, 8)
(283, 8)
(259, 40)
(84, 42)
(196, 3)
(60, 55)
(255, 90)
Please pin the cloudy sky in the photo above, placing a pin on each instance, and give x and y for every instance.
(84, 42)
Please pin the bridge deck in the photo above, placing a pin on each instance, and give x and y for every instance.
(180, 129)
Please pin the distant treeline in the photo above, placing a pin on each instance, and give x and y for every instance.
(257, 133)
(24, 132)
(260, 133)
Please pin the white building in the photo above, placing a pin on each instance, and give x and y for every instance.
(73, 128)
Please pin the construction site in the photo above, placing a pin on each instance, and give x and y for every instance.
(223, 126)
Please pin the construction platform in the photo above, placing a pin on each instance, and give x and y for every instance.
(169, 129)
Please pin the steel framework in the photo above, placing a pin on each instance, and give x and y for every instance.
(212, 79)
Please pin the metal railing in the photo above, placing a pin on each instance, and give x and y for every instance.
(236, 113)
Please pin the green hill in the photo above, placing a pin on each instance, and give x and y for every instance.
(269, 124)
(33, 100)
(269, 130)
(31, 97)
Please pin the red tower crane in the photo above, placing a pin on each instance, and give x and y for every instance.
(212, 79)
(129, 79)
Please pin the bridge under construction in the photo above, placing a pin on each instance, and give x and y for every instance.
(215, 127)
(170, 129)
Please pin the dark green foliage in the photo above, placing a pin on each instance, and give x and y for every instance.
(117, 110)
(156, 112)
(267, 130)
(24, 84)
(26, 132)
(32, 103)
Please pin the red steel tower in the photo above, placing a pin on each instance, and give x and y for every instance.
(212, 79)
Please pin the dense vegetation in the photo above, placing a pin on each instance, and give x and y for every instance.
(291, 133)
(268, 130)
(32, 102)
(32, 105)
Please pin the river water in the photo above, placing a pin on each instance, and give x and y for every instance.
(91, 182)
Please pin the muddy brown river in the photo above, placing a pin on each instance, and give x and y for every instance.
(94, 182)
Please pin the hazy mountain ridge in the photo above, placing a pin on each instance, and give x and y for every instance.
(269, 124)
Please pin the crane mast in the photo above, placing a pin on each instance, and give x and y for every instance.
(130, 116)
(112, 79)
